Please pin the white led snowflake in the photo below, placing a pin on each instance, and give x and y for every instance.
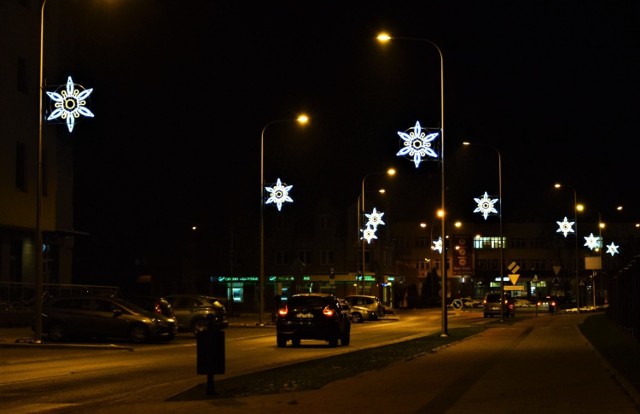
(437, 245)
(485, 205)
(565, 227)
(369, 233)
(375, 218)
(612, 249)
(279, 194)
(417, 144)
(592, 241)
(70, 103)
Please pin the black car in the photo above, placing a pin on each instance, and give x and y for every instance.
(316, 316)
(103, 317)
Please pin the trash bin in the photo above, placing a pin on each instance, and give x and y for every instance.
(210, 350)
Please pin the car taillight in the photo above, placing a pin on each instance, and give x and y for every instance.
(157, 309)
(283, 311)
(327, 311)
(553, 303)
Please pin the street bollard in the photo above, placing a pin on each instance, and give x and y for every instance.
(210, 353)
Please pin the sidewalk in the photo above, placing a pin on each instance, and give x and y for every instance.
(536, 364)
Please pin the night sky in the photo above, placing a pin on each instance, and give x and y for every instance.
(183, 89)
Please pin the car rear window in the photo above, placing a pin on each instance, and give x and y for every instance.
(308, 301)
(493, 298)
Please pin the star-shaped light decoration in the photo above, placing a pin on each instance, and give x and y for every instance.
(369, 233)
(375, 218)
(566, 227)
(417, 144)
(70, 103)
(279, 194)
(437, 245)
(592, 241)
(612, 249)
(485, 205)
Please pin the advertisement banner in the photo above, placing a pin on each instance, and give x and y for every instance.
(461, 257)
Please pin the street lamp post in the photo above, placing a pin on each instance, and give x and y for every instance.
(39, 179)
(385, 37)
(500, 218)
(390, 172)
(575, 222)
(302, 119)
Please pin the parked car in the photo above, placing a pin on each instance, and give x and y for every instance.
(192, 311)
(313, 316)
(493, 305)
(103, 317)
(365, 307)
(155, 304)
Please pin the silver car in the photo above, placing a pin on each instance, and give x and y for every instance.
(192, 311)
(365, 308)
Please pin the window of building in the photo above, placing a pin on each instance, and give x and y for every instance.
(21, 167)
(327, 257)
(421, 265)
(538, 264)
(280, 223)
(518, 243)
(324, 222)
(282, 257)
(305, 256)
(422, 243)
(487, 242)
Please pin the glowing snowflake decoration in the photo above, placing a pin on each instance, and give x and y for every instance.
(375, 218)
(70, 103)
(485, 205)
(369, 233)
(565, 227)
(417, 144)
(437, 245)
(612, 249)
(592, 241)
(279, 194)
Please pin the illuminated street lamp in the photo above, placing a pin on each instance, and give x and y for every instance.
(361, 208)
(302, 120)
(466, 143)
(384, 38)
(576, 207)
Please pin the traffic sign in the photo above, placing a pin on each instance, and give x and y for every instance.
(513, 267)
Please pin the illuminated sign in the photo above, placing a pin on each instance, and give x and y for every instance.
(416, 144)
(70, 103)
(485, 205)
(565, 227)
(279, 194)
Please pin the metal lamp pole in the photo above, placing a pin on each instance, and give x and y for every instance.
(575, 222)
(39, 180)
(385, 37)
(390, 172)
(500, 217)
(302, 119)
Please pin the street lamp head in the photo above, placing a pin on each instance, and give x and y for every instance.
(383, 37)
(557, 185)
(391, 172)
(302, 119)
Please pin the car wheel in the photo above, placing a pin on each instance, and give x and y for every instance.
(295, 342)
(281, 341)
(357, 317)
(57, 332)
(138, 334)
